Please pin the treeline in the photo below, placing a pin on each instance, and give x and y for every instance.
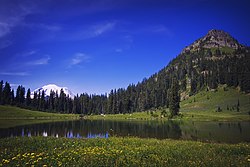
(189, 72)
(118, 101)
(55, 102)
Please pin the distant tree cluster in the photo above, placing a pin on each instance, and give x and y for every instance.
(118, 101)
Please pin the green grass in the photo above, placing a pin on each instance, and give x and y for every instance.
(132, 116)
(40, 151)
(200, 107)
(8, 123)
(203, 105)
(13, 116)
(10, 112)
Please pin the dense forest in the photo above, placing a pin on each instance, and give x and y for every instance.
(191, 71)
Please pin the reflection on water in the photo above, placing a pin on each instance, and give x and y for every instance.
(69, 134)
(230, 132)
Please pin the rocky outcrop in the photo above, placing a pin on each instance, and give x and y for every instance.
(214, 39)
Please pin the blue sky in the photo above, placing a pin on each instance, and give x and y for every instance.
(94, 46)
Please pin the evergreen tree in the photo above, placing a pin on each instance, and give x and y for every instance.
(39, 101)
(7, 93)
(42, 101)
(174, 98)
(115, 107)
(52, 101)
(62, 101)
(12, 101)
(111, 102)
(34, 101)
(17, 98)
(1, 92)
(28, 98)
(20, 96)
(57, 109)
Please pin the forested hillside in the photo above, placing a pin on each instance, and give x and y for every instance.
(214, 59)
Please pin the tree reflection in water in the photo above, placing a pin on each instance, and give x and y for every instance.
(232, 132)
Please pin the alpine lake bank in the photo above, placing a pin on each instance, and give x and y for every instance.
(130, 151)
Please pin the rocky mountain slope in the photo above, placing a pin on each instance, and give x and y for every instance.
(214, 39)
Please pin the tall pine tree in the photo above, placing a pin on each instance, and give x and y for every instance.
(1, 92)
(7, 93)
(174, 98)
(28, 98)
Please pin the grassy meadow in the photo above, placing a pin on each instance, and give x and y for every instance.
(200, 107)
(11, 112)
(40, 151)
(11, 116)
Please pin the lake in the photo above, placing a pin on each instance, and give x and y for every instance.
(223, 132)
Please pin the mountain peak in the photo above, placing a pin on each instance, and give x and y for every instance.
(55, 88)
(215, 32)
(214, 39)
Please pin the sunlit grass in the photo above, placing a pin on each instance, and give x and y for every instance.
(200, 107)
(40, 151)
(11, 112)
(11, 116)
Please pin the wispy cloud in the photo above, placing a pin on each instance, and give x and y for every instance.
(157, 29)
(102, 28)
(78, 59)
(87, 32)
(28, 53)
(14, 17)
(161, 29)
(15, 73)
(42, 61)
(42, 26)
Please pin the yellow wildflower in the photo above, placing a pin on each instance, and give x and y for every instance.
(5, 161)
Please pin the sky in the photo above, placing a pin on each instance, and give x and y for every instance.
(94, 46)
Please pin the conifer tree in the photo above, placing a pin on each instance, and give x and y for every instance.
(20, 95)
(34, 101)
(12, 97)
(28, 98)
(62, 101)
(42, 101)
(51, 101)
(111, 101)
(1, 92)
(174, 98)
(7, 93)
(57, 102)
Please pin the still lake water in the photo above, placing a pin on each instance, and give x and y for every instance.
(225, 132)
